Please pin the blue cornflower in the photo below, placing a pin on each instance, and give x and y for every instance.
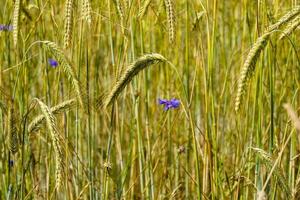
(173, 103)
(11, 163)
(53, 63)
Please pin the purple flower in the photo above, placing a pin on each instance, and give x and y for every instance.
(173, 103)
(53, 63)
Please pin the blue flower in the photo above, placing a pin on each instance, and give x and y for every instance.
(173, 103)
(53, 63)
(11, 163)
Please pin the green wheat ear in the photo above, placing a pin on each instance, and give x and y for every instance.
(126, 77)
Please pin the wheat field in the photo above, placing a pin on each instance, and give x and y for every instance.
(150, 99)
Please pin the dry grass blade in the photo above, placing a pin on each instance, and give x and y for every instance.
(171, 19)
(12, 130)
(60, 108)
(16, 17)
(68, 23)
(128, 74)
(56, 141)
(69, 70)
(290, 28)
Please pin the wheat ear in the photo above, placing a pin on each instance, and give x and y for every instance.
(86, 11)
(269, 163)
(16, 17)
(68, 69)
(68, 23)
(140, 64)
(12, 130)
(56, 140)
(253, 55)
(285, 19)
(290, 28)
(171, 19)
(249, 67)
(120, 13)
(58, 109)
(144, 8)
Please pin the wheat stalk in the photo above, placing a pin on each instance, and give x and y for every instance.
(68, 23)
(69, 70)
(171, 19)
(60, 108)
(15, 23)
(140, 64)
(290, 28)
(56, 140)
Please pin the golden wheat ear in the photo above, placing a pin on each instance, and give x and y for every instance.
(144, 8)
(125, 78)
(68, 23)
(290, 28)
(57, 140)
(58, 109)
(254, 53)
(67, 66)
(13, 137)
(86, 11)
(15, 23)
(249, 68)
(285, 18)
(171, 19)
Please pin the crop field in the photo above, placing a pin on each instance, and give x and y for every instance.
(150, 99)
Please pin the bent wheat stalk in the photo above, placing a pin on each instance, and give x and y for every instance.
(140, 64)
